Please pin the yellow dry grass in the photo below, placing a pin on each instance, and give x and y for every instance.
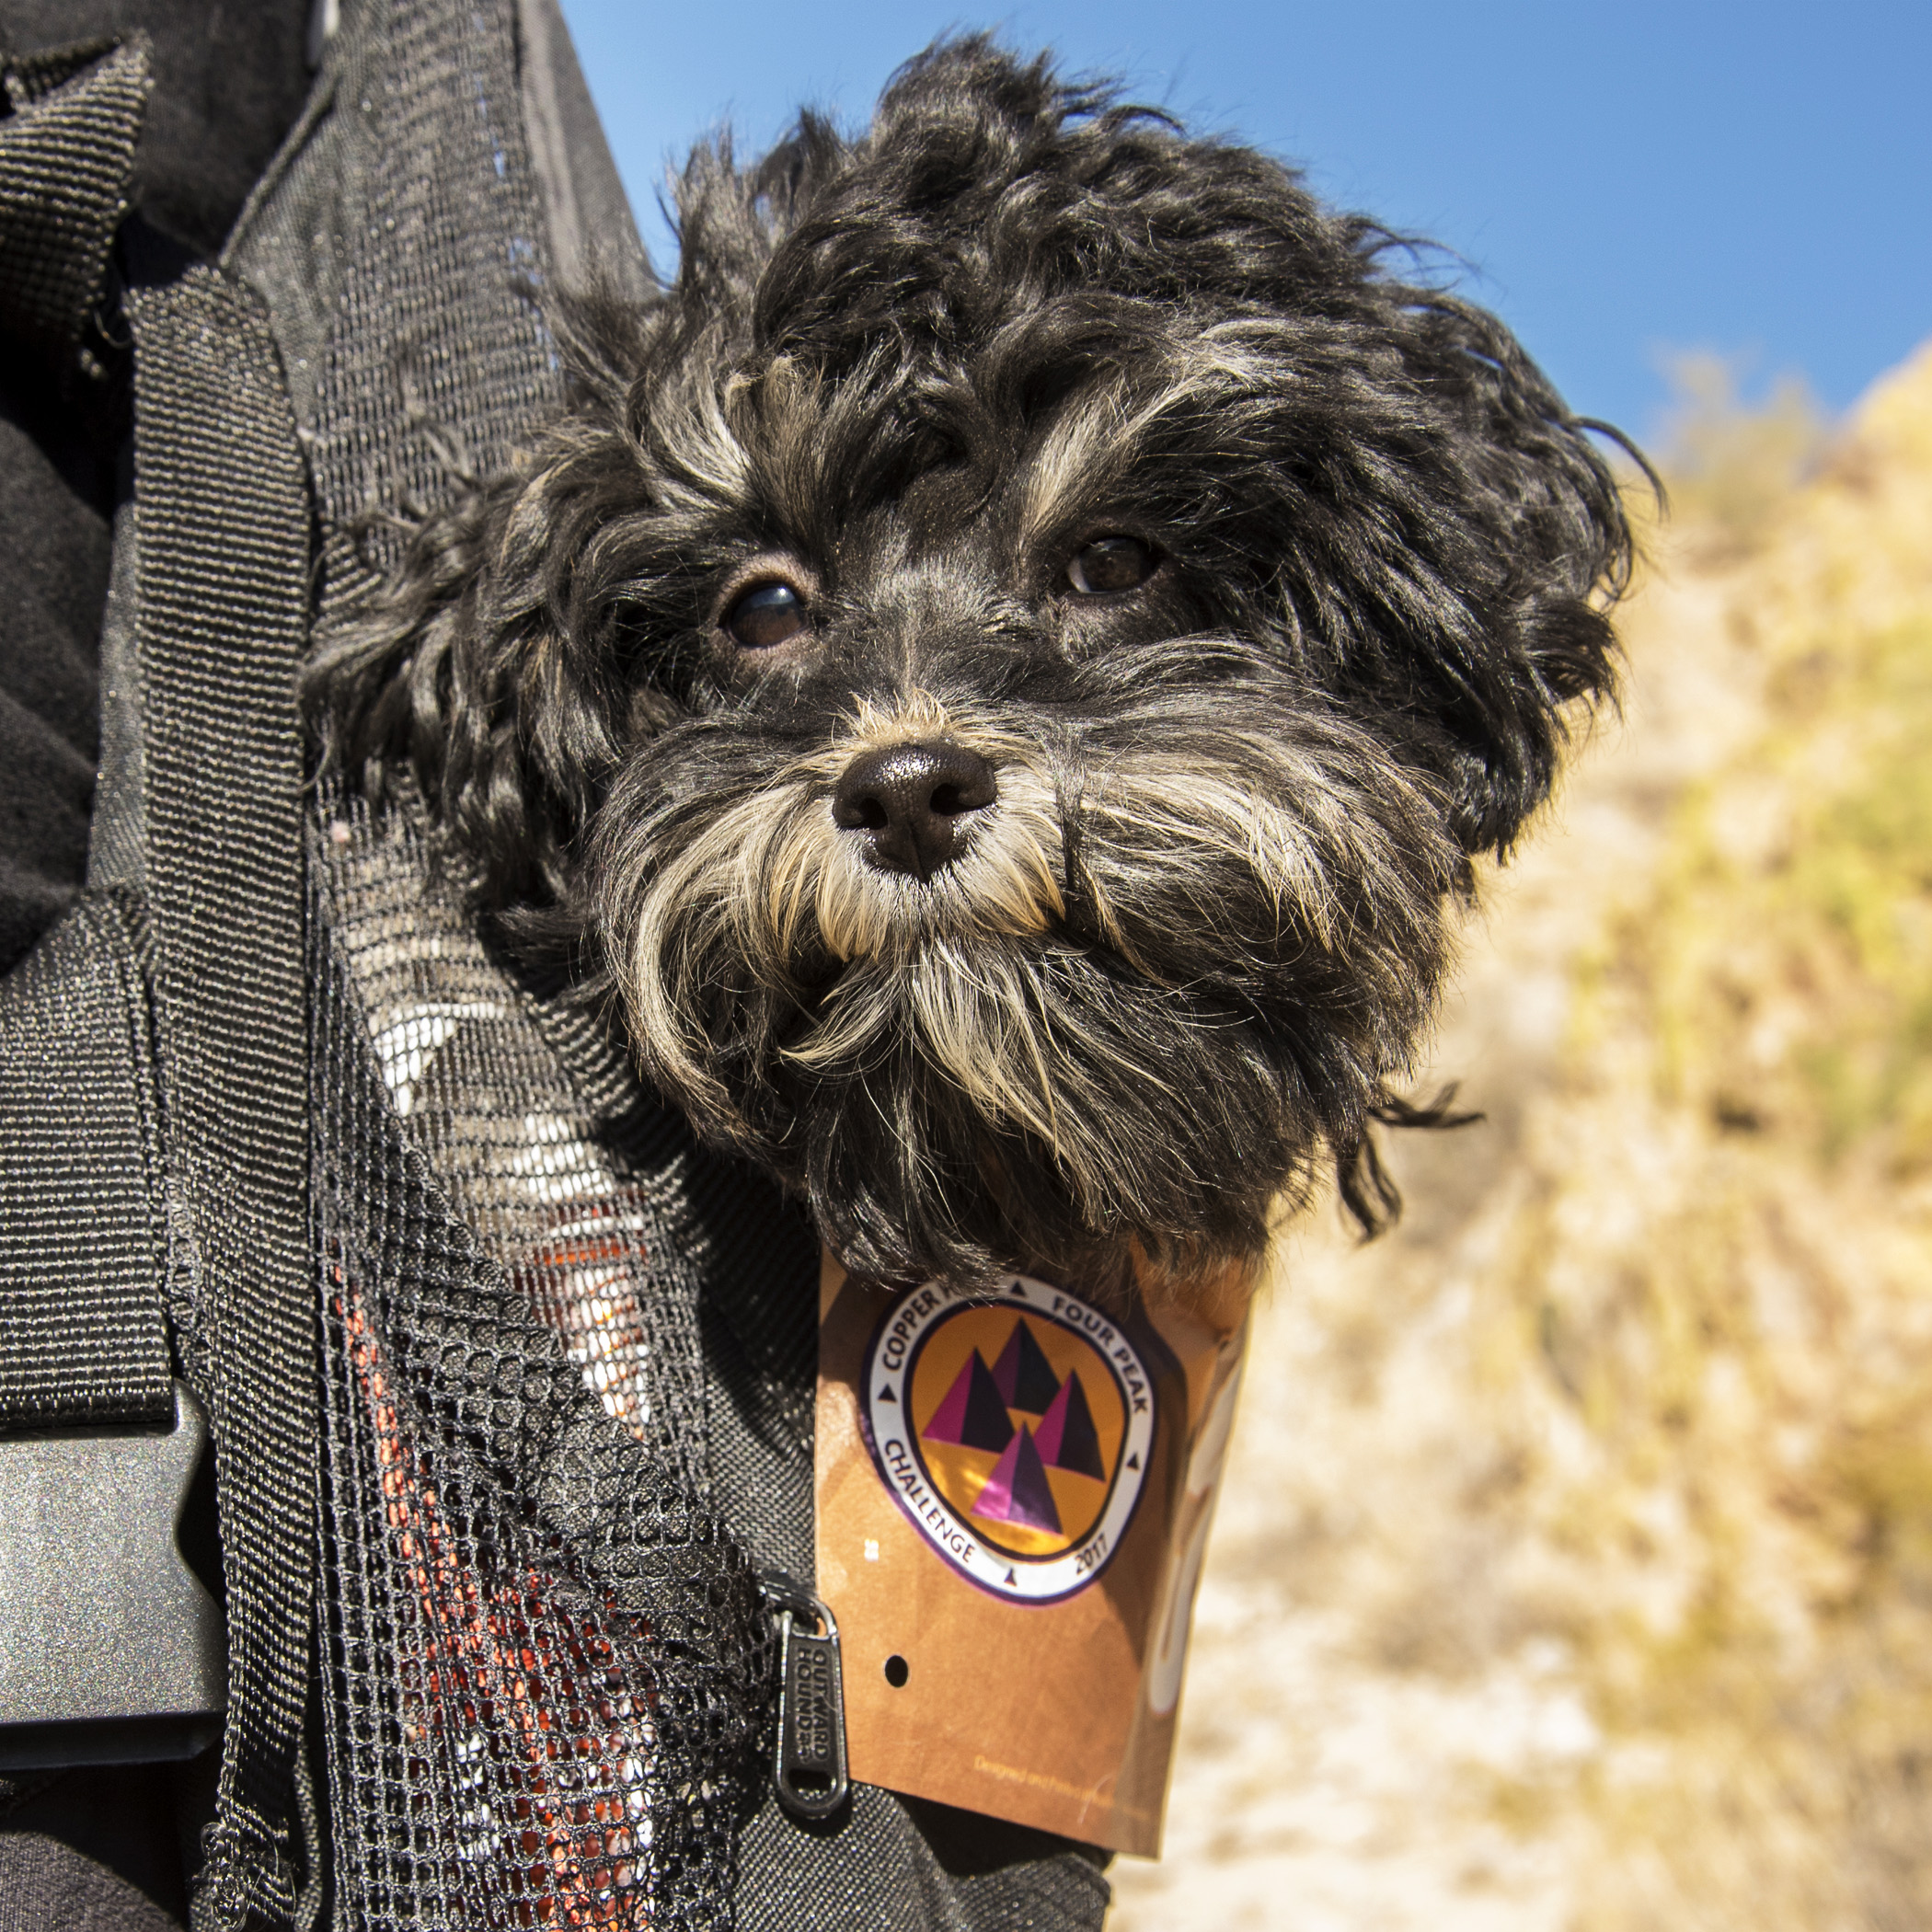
(1576, 1566)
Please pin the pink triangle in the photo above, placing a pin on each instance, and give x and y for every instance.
(971, 1413)
(1053, 1425)
(1067, 1437)
(1017, 1490)
(948, 1421)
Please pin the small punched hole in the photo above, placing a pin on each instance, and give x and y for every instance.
(897, 1671)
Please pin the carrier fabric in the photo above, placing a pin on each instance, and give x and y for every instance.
(547, 1660)
(568, 1355)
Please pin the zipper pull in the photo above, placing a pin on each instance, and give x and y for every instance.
(808, 1763)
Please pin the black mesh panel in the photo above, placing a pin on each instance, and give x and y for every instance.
(550, 1666)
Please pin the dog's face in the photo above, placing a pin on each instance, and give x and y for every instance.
(1003, 671)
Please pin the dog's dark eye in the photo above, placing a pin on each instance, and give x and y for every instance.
(1110, 563)
(765, 615)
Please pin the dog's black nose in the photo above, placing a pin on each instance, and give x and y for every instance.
(910, 803)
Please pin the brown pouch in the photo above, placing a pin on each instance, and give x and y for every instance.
(1014, 1496)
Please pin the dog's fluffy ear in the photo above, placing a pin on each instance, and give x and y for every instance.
(1528, 500)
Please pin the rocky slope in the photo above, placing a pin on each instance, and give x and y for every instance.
(1575, 1569)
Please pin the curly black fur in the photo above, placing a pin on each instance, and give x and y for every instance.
(1192, 945)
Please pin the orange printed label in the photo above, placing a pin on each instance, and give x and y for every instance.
(1014, 1496)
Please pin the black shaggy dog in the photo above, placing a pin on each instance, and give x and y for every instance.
(1002, 670)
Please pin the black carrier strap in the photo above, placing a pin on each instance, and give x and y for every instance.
(111, 1178)
(222, 519)
(83, 1232)
(82, 1342)
(72, 116)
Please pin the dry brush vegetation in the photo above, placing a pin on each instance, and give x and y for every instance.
(1575, 1569)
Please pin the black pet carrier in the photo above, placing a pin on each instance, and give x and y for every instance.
(509, 1383)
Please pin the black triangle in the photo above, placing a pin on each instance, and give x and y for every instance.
(972, 1412)
(886, 1395)
(1017, 1290)
(1013, 1580)
(1079, 1440)
(1025, 1377)
(987, 1424)
(1029, 1496)
(1134, 1462)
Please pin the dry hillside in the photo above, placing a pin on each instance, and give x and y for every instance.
(1575, 1569)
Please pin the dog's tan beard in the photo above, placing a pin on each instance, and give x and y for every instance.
(1004, 1045)
(771, 883)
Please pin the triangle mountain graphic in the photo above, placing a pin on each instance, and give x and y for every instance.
(1025, 1377)
(1017, 1490)
(971, 1413)
(1067, 1438)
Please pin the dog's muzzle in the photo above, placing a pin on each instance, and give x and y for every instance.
(912, 806)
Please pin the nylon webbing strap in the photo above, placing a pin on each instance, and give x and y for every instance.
(223, 526)
(82, 1243)
(83, 1230)
(72, 117)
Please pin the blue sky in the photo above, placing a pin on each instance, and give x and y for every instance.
(1624, 180)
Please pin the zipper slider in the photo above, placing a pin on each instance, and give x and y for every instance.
(809, 1763)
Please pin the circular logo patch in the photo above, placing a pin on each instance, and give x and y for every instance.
(1015, 1432)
